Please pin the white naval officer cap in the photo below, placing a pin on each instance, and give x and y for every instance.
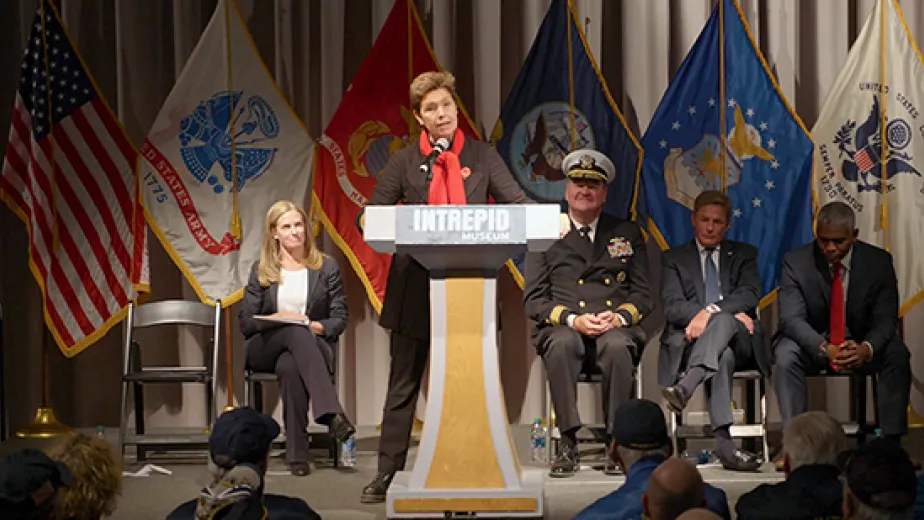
(588, 164)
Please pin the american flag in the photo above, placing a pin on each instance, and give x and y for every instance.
(68, 174)
(865, 160)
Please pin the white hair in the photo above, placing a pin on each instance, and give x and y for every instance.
(813, 438)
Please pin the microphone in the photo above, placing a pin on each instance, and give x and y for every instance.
(442, 144)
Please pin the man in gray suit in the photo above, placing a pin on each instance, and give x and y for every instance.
(856, 334)
(710, 289)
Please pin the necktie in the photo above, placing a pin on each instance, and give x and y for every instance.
(838, 326)
(585, 233)
(713, 294)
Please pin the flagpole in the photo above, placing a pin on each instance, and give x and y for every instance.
(722, 122)
(573, 124)
(883, 120)
(236, 230)
(46, 424)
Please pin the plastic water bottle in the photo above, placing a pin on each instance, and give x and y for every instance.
(101, 432)
(348, 453)
(537, 442)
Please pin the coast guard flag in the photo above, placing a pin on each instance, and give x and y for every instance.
(373, 121)
(538, 124)
(68, 174)
(851, 148)
(761, 153)
(210, 130)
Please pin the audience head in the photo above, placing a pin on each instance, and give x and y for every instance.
(434, 104)
(97, 474)
(640, 432)
(286, 234)
(29, 484)
(879, 481)
(712, 213)
(835, 230)
(812, 438)
(242, 436)
(674, 487)
(700, 513)
(588, 172)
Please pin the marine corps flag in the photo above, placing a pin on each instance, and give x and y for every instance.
(724, 124)
(879, 173)
(225, 147)
(373, 121)
(560, 103)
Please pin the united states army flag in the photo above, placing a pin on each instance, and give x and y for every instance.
(876, 172)
(225, 146)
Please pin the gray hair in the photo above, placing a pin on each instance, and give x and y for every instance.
(630, 457)
(813, 438)
(862, 511)
(837, 214)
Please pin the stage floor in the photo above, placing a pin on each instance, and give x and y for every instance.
(335, 493)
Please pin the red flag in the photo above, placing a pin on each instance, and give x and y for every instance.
(68, 174)
(373, 121)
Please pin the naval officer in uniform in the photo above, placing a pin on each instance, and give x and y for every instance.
(585, 297)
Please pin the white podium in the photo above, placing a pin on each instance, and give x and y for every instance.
(466, 464)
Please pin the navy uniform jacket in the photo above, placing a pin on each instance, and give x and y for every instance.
(626, 502)
(573, 278)
(811, 492)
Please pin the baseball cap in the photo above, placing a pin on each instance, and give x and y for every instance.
(880, 474)
(639, 425)
(241, 436)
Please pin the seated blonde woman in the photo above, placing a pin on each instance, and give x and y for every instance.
(97, 478)
(294, 280)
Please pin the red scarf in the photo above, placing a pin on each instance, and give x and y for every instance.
(447, 185)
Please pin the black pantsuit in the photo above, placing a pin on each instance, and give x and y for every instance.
(301, 360)
(303, 364)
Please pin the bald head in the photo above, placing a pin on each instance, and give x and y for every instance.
(674, 487)
(698, 514)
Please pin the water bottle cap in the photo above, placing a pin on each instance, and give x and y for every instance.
(99, 428)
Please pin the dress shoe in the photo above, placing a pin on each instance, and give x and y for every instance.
(299, 469)
(676, 397)
(374, 493)
(566, 463)
(341, 428)
(741, 461)
(611, 468)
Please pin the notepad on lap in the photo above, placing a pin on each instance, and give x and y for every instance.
(270, 322)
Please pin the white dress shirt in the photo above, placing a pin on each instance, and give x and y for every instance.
(293, 291)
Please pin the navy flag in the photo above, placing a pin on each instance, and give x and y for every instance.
(560, 103)
(724, 124)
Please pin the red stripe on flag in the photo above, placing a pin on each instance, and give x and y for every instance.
(103, 156)
(115, 133)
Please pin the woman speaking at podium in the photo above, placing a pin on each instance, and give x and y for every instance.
(443, 167)
(294, 308)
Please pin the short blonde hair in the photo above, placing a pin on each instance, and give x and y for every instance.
(428, 82)
(813, 438)
(268, 270)
(97, 482)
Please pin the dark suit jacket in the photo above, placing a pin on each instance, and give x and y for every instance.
(805, 296)
(571, 278)
(327, 301)
(683, 296)
(406, 308)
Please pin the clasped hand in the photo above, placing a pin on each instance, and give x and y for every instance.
(849, 355)
(314, 326)
(697, 325)
(594, 325)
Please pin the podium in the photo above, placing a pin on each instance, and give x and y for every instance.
(466, 463)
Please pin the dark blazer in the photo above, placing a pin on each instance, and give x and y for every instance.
(406, 308)
(572, 278)
(683, 296)
(327, 301)
(805, 296)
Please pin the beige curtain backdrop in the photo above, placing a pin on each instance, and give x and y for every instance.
(314, 47)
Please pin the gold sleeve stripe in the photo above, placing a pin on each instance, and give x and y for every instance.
(632, 310)
(555, 315)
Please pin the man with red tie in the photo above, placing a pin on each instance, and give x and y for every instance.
(839, 310)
